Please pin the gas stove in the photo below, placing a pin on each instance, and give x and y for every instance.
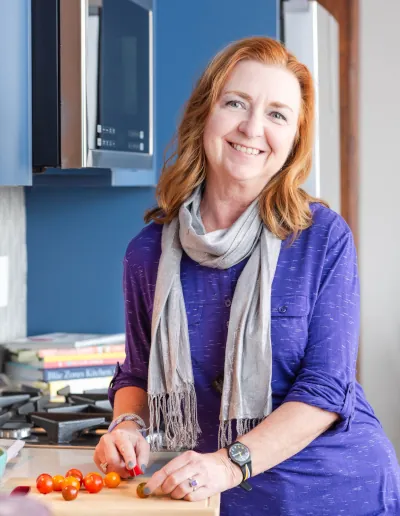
(78, 420)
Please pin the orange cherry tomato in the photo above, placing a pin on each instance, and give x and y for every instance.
(44, 483)
(75, 473)
(93, 483)
(69, 493)
(112, 479)
(58, 481)
(72, 481)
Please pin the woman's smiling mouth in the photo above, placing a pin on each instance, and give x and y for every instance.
(251, 151)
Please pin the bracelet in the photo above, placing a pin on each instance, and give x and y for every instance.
(128, 417)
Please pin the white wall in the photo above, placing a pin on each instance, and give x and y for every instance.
(379, 251)
(13, 245)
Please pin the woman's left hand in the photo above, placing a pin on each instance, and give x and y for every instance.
(196, 476)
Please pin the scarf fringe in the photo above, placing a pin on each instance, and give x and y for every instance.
(178, 412)
(243, 426)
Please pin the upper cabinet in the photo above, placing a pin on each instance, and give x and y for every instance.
(92, 91)
(15, 93)
(76, 92)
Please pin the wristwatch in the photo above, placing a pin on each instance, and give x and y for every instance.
(239, 454)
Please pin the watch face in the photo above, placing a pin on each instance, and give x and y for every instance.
(239, 453)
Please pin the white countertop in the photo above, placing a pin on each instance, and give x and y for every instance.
(31, 462)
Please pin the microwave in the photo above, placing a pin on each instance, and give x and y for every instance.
(92, 84)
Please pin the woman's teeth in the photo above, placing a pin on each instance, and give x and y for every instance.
(245, 150)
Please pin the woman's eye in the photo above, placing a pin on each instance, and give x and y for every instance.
(236, 104)
(278, 116)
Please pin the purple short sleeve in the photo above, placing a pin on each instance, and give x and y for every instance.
(327, 375)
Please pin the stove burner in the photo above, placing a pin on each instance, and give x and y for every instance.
(15, 430)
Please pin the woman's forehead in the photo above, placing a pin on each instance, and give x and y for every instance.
(258, 80)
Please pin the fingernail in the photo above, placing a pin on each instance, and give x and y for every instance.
(130, 464)
(143, 468)
(146, 491)
(137, 470)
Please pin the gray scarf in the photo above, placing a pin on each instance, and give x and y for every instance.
(246, 395)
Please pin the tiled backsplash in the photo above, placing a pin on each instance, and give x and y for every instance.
(13, 245)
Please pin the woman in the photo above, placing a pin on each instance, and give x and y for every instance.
(242, 313)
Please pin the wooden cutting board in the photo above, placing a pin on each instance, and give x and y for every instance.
(121, 500)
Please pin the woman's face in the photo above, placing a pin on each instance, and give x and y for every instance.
(250, 131)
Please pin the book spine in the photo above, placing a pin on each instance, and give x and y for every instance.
(53, 352)
(84, 356)
(75, 373)
(101, 341)
(61, 364)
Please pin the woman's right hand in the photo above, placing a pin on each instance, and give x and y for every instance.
(122, 449)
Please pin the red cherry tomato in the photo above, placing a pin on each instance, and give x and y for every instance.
(75, 473)
(44, 483)
(69, 493)
(93, 483)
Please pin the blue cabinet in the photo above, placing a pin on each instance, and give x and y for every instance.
(15, 93)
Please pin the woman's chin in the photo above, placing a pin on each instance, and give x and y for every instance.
(245, 176)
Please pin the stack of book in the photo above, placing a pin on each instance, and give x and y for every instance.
(54, 360)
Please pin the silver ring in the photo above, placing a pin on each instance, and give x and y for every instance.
(104, 466)
(193, 483)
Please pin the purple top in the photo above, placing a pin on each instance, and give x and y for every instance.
(349, 470)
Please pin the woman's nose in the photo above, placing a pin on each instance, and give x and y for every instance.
(253, 126)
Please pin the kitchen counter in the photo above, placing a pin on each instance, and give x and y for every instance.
(54, 460)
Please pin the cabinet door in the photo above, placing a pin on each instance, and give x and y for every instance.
(15, 93)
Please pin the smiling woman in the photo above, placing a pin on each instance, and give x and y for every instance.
(242, 313)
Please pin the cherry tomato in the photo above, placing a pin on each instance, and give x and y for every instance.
(91, 474)
(112, 479)
(44, 483)
(72, 481)
(140, 490)
(58, 481)
(93, 483)
(69, 493)
(75, 473)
